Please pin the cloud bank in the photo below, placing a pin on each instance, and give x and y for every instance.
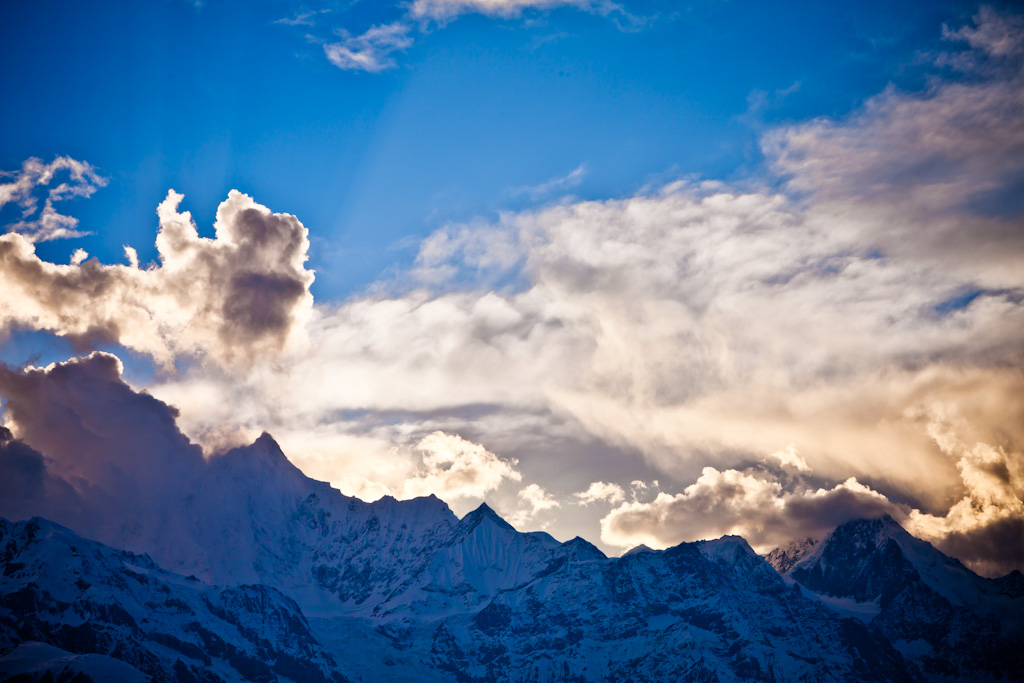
(782, 359)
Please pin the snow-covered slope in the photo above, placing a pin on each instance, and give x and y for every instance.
(512, 607)
(699, 611)
(953, 623)
(253, 517)
(74, 607)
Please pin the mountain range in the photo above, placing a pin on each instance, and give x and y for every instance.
(256, 572)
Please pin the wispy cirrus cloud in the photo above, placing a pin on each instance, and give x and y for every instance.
(373, 49)
(560, 184)
(48, 224)
(445, 10)
(370, 51)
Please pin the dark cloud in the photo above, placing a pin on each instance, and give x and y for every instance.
(113, 457)
(993, 549)
(97, 432)
(27, 487)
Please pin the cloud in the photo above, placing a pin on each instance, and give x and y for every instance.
(946, 163)
(697, 325)
(302, 18)
(243, 293)
(443, 10)
(983, 527)
(536, 500)
(752, 505)
(83, 180)
(602, 491)
(113, 457)
(370, 51)
(769, 511)
(456, 468)
(116, 466)
(996, 35)
(28, 488)
(788, 457)
(693, 330)
(559, 184)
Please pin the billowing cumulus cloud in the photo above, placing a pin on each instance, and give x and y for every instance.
(984, 528)
(456, 468)
(981, 528)
(753, 505)
(22, 190)
(242, 293)
(788, 457)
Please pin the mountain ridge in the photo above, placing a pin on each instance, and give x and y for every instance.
(473, 600)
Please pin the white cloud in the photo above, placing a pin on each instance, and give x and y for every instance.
(984, 527)
(788, 457)
(370, 51)
(456, 468)
(995, 34)
(536, 500)
(603, 491)
(441, 10)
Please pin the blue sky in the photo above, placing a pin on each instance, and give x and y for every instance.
(217, 95)
(644, 272)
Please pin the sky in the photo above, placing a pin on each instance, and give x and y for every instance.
(642, 272)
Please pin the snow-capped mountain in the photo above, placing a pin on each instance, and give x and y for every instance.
(257, 572)
(951, 622)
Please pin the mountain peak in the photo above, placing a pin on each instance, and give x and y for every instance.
(484, 511)
(581, 549)
(728, 548)
(638, 549)
(262, 453)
